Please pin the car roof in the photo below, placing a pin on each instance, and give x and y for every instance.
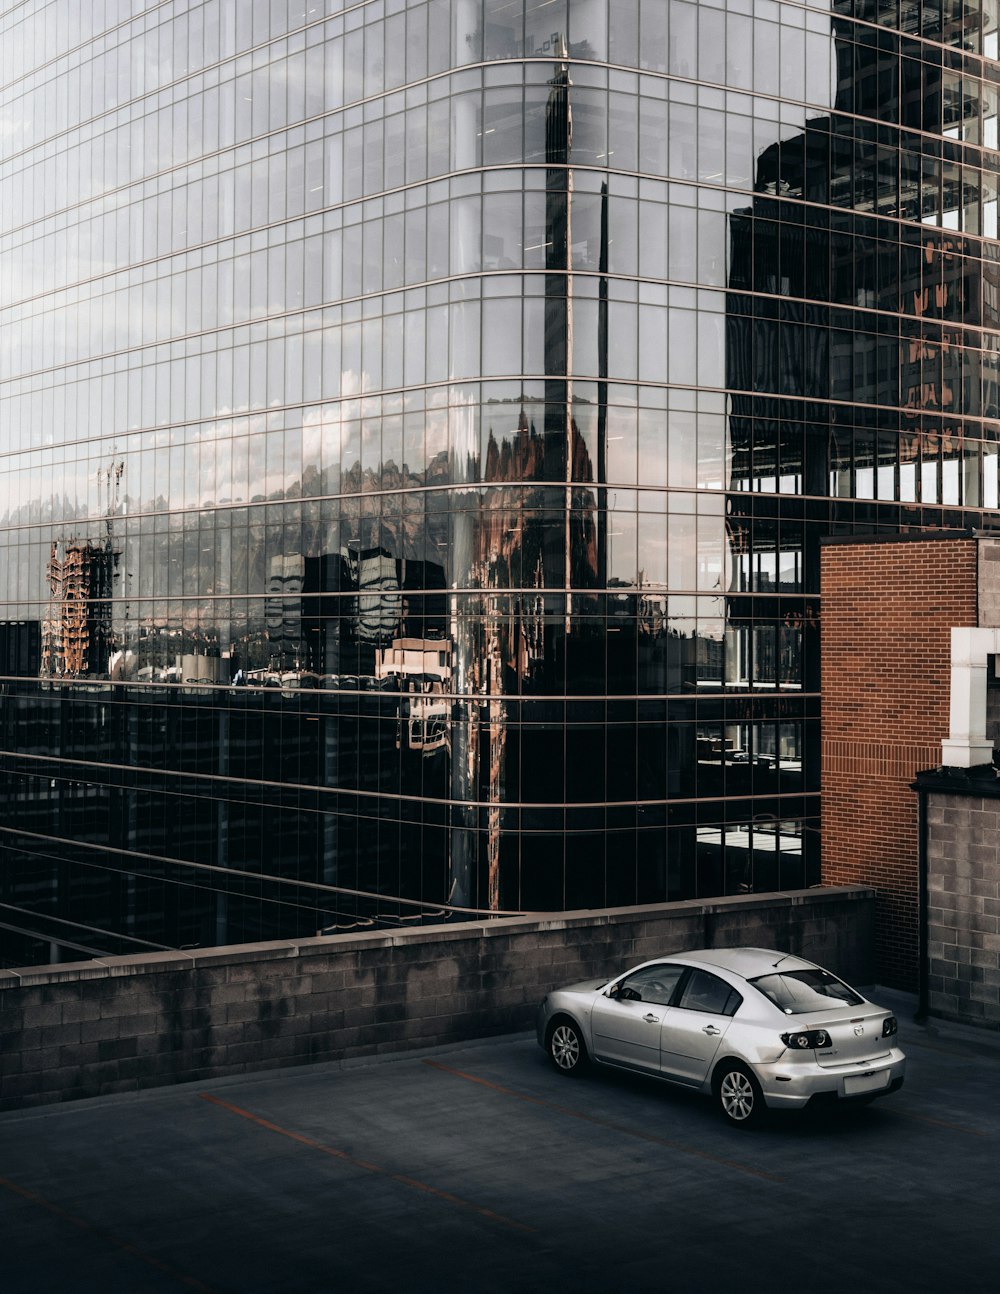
(747, 962)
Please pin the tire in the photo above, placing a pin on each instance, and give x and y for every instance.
(566, 1048)
(738, 1093)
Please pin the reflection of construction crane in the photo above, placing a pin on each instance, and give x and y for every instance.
(112, 477)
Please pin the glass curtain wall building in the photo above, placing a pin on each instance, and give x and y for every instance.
(418, 421)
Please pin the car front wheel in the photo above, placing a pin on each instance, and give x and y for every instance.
(566, 1048)
(739, 1094)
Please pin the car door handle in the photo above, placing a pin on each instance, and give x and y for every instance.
(711, 1029)
(651, 1019)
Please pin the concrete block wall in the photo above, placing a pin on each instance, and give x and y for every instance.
(989, 618)
(963, 907)
(989, 581)
(889, 605)
(126, 1023)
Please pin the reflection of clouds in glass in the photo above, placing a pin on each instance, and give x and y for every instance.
(318, 427)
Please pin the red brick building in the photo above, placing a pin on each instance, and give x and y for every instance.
(889, 605)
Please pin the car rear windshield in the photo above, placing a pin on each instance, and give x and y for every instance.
(799, 991)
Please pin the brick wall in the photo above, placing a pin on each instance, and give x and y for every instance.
(126, 1023)
(963, 903)
(888, 611)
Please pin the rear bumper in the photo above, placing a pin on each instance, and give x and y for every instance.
(832, 1098)
(792, 1086)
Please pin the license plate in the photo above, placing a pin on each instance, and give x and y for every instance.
(855, 1083)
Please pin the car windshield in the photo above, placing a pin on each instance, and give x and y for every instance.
(798, 991)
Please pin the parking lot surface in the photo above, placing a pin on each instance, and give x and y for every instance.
(481, 1169)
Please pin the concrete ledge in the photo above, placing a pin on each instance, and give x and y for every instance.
(124, 1023)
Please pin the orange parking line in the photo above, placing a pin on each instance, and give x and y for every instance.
(342, 1155)
(606, 1123)
(125, 1245)
(937, 1123)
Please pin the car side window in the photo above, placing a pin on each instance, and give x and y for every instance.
(654, 984)
(705, 992)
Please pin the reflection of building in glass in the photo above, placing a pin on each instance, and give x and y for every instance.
(549, 336)
(420, 670)
(77, 633)
(20, 648)
(283, 611)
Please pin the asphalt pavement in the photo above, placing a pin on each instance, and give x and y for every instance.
(479, 1168)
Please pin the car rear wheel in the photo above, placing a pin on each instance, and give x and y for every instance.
(739, 1094)
(566, 1047)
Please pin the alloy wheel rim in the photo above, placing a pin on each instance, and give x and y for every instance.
(737, 1096)
(565, 1047)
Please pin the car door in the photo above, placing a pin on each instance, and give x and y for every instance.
(625, 1027)
(694, 1028)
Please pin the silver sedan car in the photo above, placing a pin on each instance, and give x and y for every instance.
(755, 1028)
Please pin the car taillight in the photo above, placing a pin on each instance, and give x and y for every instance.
(808, 1039)
(889, 1026)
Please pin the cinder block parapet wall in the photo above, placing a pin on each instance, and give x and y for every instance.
(963, 900)
(127, 1023)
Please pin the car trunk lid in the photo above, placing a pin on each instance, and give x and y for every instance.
(855, 1036)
